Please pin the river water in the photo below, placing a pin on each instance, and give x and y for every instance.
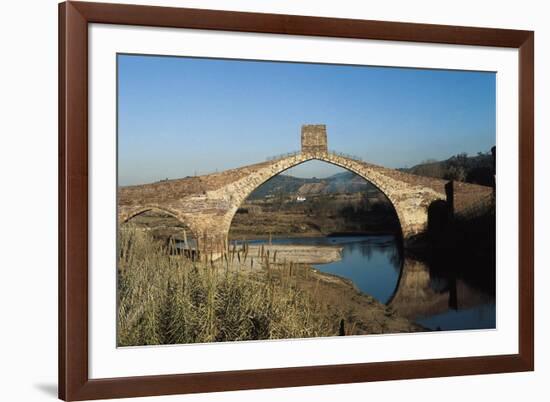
(435, 296)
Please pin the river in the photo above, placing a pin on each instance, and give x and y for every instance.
(436, 296)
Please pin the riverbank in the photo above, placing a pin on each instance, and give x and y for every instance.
(356, 312)
(165, 298)
(305, 235)
(319, 215)
(300, 254)
(362, 313)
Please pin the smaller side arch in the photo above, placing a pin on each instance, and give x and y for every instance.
(124, 217)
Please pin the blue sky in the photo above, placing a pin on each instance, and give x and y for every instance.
(183, 116)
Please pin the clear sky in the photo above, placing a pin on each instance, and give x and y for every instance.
(181, 116)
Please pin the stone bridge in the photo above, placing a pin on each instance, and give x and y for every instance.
(206, 204)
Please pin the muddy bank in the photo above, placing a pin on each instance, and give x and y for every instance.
(362, 314)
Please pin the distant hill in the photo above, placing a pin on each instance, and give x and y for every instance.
(345, 182)
(471, 169)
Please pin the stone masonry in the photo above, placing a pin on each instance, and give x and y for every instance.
(207, 204)
(314, 138)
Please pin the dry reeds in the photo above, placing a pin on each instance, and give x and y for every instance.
(165, 297)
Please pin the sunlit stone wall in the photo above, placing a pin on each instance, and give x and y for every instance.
(314, 138)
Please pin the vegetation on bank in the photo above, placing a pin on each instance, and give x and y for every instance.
(167, 299)
(318, 215)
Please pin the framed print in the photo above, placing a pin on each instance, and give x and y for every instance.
(259, 200)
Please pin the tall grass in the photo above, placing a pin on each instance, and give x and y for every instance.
(166, 298)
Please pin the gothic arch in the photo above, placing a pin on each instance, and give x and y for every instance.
(264, 175)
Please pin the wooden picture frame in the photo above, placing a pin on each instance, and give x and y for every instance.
(74, 381)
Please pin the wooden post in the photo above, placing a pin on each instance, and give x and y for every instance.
(449, 192)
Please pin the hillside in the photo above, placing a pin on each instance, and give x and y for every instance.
(340, 183)
(471, 169)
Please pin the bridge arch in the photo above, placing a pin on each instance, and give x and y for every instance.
(279, 166)
(126, 216)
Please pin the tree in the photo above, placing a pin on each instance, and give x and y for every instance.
(455, 172)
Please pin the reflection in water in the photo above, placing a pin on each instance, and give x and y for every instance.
(439, 295)
(442, 300)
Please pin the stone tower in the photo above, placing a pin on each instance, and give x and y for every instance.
(314, 138)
